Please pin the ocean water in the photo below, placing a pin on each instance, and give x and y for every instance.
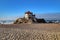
(12, 21)
(6, 21)
(53, 21)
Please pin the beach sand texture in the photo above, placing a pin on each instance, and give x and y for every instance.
(30, 31)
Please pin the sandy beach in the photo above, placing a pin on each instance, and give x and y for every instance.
(30, 31)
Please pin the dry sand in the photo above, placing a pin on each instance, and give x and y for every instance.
(30, 31)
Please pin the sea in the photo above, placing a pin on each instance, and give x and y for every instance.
(7, 21)
(12, 21)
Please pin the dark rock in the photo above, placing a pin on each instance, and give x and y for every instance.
(41, 21)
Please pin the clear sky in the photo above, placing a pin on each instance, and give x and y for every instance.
(13, 8)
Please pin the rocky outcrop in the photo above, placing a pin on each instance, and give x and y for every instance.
(29, 18)
(41, 21)
(23, 20)
(20, 20)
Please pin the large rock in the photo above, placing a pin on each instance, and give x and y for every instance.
(29, 18)
(23, 20)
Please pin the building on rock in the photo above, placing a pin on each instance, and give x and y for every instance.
(29, 17)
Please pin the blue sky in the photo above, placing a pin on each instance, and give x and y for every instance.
(14, 8)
